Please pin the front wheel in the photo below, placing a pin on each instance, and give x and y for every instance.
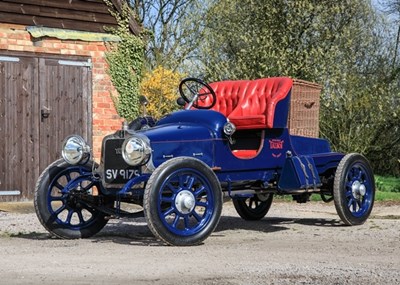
(253, 208)
(354, 189)
(63, 199)
(182, 201)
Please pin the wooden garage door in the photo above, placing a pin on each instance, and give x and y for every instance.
(42, 100)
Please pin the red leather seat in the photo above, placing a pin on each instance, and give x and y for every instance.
(228, 95)
(245, 153)
(257, 108)
(250, 104)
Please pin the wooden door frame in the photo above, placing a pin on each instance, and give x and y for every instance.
(87, 100)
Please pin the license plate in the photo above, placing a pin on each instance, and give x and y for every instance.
(116, 170)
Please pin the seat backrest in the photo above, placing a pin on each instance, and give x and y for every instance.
(228, 95)
(253, 104)
(261, 100)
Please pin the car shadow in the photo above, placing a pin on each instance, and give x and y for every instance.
(136, 232)
(126, 232)
(272, 224)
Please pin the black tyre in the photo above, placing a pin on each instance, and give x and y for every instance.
(254, 208)
(354, 189)
(182, 201)
(60, 195)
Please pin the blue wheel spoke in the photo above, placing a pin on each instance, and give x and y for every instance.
(68, 176)
(80, 216)
(350, 176)
(89, 186)
(199, 191)
(359, 203)
(58, 185)
(196, 216)
(349, 194)
(190, 182)
(359, 173)
(350, 203)
(166, 199)
(169, 212)
(354, 205)
(202, 204)
(349, 184)
(186, 219)
(57, 198)
(69, 217)
(182, 181)
(172, 188)
(176, 220)
(59, 210)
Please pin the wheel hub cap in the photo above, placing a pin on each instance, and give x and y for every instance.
(185, 202)
(358, 189)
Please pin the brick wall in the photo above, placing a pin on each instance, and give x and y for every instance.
(105, 118)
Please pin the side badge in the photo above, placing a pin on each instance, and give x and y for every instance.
(278, 145)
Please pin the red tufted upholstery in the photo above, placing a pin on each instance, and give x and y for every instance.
(257, 107)
(250, 104)
(228, 94)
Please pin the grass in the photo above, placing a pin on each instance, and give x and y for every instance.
(387, 184)
(387, 196)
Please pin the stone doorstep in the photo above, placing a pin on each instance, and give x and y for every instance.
(17, 207)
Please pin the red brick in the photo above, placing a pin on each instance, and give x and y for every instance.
(15, 47)
(12, 41)
(24, 43)
(109, 111)
(17, 36)
(91, 48)
(29, 48)
(99, 111)
(101, 48)
(104, 105)
(98, 122)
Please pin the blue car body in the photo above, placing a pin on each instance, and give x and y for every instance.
(179, 168)
(199, 134)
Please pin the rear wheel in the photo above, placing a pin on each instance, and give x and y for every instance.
(63, 196)
(354, 189)
(254, 208)
(182, 201)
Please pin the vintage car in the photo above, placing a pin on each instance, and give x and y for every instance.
(230, 141)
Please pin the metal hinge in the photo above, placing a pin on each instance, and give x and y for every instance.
(87, 63)
(10, 193)
(9, 58)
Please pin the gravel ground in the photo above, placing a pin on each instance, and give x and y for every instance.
(294, 244)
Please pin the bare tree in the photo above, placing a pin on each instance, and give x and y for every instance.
(174, 29)
(392, 8)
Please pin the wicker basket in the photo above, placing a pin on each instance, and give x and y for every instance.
(304, 109)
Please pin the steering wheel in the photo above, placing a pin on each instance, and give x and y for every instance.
(195, 92)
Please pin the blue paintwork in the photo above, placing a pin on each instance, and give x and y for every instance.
(358, 173)
(136, 180)
(299, 172)
(199, 133)
(193, 222)
(281, 112)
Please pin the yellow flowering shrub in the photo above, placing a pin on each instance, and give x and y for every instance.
(160, 86)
